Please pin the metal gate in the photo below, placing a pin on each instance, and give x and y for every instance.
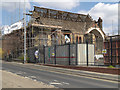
(61, 54)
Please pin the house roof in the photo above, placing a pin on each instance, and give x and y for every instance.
(58, 14)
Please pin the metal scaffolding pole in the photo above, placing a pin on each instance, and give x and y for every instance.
(39, 46)
(24, 33)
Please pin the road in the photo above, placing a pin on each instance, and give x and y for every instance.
(59, 80)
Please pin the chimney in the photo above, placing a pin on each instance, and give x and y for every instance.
(100, 23)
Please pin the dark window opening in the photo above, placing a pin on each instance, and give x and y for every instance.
(79, 39)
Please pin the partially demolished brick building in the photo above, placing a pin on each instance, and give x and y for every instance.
(49, 27)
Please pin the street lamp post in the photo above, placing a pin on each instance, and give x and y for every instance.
(24, 33)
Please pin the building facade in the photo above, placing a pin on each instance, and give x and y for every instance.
(112, 46)
(54, 27)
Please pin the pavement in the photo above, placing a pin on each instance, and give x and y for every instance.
(11, 80)
(61, 77)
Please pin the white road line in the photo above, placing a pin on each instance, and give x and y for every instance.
(54, 83)
(19, 63)
(34, 79)
(55, 80)
(20, 72)
(32, 76)
(26, 77)
(65, 83)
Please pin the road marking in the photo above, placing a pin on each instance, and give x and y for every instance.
(19, 63)
(59, 83)
(55, 83)
(32, 77)
(65, 83)
(26, 77)
(20, 73)
(55, 80)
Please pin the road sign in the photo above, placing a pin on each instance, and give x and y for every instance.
(104, 51)
(53, 54)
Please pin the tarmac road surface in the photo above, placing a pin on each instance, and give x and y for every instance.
(59, 80)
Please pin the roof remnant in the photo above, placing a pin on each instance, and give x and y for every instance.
(57, 14)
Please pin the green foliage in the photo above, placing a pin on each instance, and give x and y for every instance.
(111, 66)
(1, 52)
(22, 57)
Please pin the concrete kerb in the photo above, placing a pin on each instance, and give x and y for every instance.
(88, 73)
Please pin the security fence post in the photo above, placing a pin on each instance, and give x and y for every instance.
(76, 54)
(69, 52)
(44, 53)
(55, 54)
(87, 51)
(111, 48)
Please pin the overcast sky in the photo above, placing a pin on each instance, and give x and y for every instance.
(108, 11)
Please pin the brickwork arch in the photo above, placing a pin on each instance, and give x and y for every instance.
(97, 29)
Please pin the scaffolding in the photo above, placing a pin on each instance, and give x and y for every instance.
(49, 27)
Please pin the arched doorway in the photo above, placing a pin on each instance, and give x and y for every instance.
(96, 36)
